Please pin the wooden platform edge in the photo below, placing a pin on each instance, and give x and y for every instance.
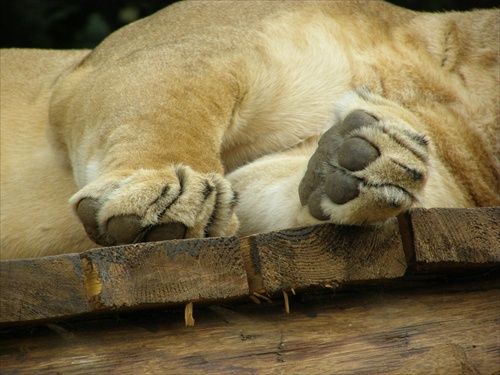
(218, 269)
(451, 237)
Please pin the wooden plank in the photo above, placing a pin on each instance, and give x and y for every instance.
(122, 277)
(452, 237)
(167, 272)
(33, 289)
(325, 255)
(179, 272)
(432, 328)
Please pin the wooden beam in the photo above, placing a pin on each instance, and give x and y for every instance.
(452, 237)
(168, 272)
(324, 255)
(121, 278)
(210, 270)
(34, 289)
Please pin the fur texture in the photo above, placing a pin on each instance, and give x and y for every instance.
(204, 120)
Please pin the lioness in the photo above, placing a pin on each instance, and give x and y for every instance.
(214, 118)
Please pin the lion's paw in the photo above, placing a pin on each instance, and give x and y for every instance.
(365, 170)
(153, 205)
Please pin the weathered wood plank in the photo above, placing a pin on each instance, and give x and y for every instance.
(32, 289)
(453, 237)
(122, 277)
(166, 272)
(324, 255)
(179, 272)
(435, 328)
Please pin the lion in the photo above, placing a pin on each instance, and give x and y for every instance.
(232, 118)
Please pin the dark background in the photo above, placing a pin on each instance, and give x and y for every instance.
(84, 23)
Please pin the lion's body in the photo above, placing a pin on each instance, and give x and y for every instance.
(36, 178)
(147, 124)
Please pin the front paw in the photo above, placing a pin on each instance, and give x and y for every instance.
(366, 169)
(153, 205)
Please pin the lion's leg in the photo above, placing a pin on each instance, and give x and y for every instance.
(268, 197)
(376, 162)
(371, 165)
(147, 166)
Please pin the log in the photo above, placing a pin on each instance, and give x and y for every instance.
(201, 270)
(120, 278)
(168, 272)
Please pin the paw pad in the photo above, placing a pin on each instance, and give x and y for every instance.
(163, 232)
(341, 187)
(364, 170)
(87, 212)
(156, 205)
(354, 121)
(356, 153)
(337, 155)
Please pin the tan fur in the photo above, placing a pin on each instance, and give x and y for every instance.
(201, 90)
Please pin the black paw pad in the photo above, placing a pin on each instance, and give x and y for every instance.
(339, 153)
(125, 229)
(341, 187)
(355, 120)
(356, 153)
(314, 204)
(164, 232)
(87, 212)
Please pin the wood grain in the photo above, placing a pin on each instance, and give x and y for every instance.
(120, 278)
(325, 255)
(455, 237)
(433, 328)
(169, 272)
(32, 289)
(218, 269)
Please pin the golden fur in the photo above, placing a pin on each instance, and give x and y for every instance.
(171, 114)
